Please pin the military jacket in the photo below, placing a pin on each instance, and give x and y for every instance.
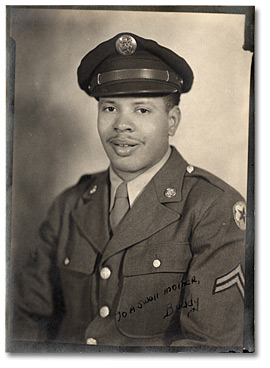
(171, 274)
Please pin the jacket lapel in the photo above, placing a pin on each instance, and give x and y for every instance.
(92, 214)
(154, 209)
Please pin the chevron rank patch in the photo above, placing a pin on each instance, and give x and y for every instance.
(239, 214)
(233, 278)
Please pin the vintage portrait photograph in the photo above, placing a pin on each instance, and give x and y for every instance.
(130, 169)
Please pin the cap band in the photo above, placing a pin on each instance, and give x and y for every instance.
(127, 74)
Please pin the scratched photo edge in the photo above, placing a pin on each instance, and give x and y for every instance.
(249, 344)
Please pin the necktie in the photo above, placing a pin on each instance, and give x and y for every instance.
(121, 205)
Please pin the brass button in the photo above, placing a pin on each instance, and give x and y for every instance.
(104, 311)
(66, 261)
(190, 169)
(156, 263)
(91, 341)
(105, 273)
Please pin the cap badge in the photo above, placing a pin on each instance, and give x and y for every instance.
(126, 45)
(239, 214)
(170, 192)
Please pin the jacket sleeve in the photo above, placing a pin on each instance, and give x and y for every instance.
(36, 287)
(213, 307)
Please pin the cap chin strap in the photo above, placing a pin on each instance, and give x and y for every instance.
(138, 74)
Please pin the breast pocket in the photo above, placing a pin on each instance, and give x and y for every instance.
(78, 256)
(152, 280)
(76, 262)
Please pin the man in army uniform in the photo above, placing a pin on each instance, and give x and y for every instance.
(151, 251)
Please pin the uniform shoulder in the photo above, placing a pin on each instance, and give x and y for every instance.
(207, 179)
(205, 191)
(84, 184)
(70, 199)
(209, 194)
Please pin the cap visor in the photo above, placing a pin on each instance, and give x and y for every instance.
(133, 88)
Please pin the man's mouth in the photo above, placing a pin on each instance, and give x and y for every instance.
(124, 147)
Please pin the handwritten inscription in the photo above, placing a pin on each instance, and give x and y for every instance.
(180, 285)
(192, 305)
(140, 304)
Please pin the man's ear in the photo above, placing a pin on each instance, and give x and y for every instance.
(174, 117)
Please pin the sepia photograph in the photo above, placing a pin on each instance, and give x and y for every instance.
(130, 179)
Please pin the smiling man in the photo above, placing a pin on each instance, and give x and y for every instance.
(151, 251)
(134, 132)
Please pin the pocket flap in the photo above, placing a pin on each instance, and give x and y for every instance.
(79, 257)
(169, 256)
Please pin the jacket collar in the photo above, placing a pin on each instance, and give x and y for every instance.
(171, 176)
(159, 205)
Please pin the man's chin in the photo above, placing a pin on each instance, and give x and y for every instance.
(127, 171)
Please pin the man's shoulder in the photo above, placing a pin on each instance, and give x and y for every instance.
(205, 190)
(209, 181)
(196, 179)
(85, 184)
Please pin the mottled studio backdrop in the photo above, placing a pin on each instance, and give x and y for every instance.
(55, 134)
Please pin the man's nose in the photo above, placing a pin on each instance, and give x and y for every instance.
(124, 123)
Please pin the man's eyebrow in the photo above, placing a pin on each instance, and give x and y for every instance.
(134, 103)
(143, 102)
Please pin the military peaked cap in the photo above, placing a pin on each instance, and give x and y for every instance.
(128, 65)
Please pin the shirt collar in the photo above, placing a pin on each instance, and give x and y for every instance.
(137, 185)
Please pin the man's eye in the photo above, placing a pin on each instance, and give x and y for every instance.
(142, 110)
(109, 109)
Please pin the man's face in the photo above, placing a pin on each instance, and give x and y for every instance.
(135, 132)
